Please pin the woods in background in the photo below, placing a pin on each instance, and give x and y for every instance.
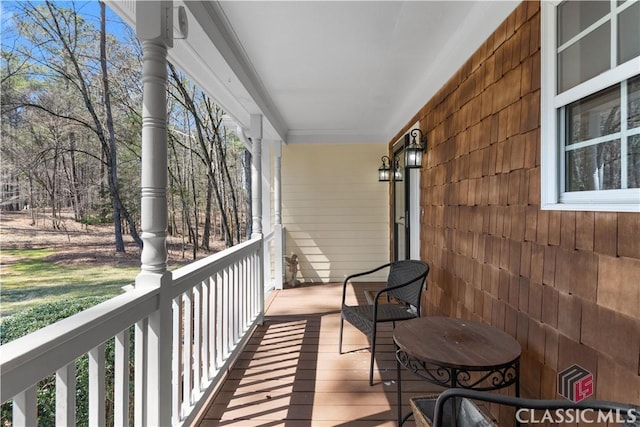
(71, 129)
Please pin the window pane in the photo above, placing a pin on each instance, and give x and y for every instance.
(585, 59)
(575, 16)
(634, 102)
(633, 162)
(629, 34)
(594, 116)
(594, 168)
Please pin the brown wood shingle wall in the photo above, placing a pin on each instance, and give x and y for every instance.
(565, 284)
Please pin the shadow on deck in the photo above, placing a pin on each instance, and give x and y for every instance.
(290, 374)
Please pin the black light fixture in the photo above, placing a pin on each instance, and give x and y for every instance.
(413, 151)
(384, 171)
(397, 172)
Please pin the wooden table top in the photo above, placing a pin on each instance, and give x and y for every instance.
(456, 343)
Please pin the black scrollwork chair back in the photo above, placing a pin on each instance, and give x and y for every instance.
(405, 282)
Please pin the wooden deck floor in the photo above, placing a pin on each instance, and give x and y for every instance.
(291, 374)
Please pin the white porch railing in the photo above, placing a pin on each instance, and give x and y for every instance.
(215, 303)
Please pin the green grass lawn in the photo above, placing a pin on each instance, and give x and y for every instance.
(34, 280)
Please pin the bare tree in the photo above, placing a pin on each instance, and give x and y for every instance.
(75, 131)
(62, 32)
(206, 152)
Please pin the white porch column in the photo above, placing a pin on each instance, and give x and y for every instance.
(266, 173)
(277, 186)
(151, 30)
(256, 175)
(277, 208)
(154, 28)
(154, 158)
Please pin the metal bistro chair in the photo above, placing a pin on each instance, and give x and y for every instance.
(404, 284)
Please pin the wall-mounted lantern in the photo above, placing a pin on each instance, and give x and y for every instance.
(384, 171)
(413, 151)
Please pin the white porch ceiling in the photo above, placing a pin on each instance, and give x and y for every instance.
(330, 71)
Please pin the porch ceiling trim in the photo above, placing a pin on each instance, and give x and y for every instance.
(241, 78)
(238, 92)
(227, 55)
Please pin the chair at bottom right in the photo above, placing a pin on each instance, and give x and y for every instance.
(467, 410)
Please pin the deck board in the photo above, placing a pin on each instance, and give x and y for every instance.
(290, 373)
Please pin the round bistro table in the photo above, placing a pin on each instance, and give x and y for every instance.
(452, 352)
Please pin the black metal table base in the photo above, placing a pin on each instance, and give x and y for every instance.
(481, 379)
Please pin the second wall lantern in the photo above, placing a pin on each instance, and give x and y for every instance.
(384, 171)
(413, 150)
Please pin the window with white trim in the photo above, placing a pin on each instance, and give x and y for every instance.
(590, 105)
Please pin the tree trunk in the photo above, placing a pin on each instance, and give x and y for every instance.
(206, 232)
(190, 106)
(232, 191)
(111, 143)
(54, 188)
(70, 171)
(194, 195)
(176, 172)
(222, 165)
(75, 180)
(32, 206)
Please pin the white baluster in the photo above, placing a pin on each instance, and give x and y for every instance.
(204, 345)
(66, 395)
(197, 318)
(140, 378)
(176, 366)
(186, 350)
(121, 379)
(96, 386)
(25, 408)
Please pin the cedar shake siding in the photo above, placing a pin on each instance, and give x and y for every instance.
(565, 284)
